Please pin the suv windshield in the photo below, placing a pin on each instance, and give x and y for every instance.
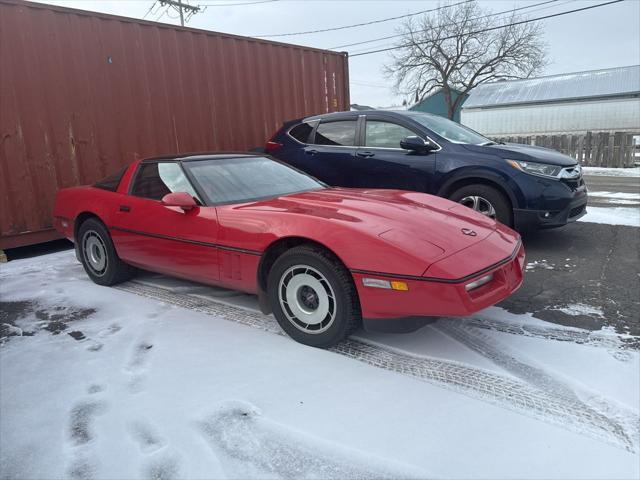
(245, 179)
(452, 131)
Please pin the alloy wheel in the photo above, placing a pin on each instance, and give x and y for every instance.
(307, 299)
(480, 205)
(95, 252)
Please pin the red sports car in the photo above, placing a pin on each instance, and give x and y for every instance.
(322, 259)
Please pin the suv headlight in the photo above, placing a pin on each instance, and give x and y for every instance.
(541, 169)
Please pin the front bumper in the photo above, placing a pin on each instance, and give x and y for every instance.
(559, 203)
(384, 309)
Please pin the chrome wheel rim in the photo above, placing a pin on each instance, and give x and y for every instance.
(307, 299)
(95, 253)
(480, 205)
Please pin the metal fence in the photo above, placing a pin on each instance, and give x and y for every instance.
(593, 149)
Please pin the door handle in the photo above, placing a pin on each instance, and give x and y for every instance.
(125, 208)
(311, 152)
(365, 154)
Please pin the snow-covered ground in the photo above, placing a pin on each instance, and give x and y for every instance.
(612, 172)
(164, 379)
(613, 215)
(633, 196)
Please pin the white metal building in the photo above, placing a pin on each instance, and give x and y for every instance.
(598, 100)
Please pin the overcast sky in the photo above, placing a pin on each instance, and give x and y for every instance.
(602, 37)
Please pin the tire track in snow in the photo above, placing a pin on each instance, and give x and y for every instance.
(581, 337)
(514, 394)
(539, 378)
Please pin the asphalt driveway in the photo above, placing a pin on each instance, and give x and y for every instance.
(583, 275)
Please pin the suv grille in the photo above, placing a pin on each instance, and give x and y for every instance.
(572, 177)
(576, 211)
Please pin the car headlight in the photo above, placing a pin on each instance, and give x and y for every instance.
(541, 169)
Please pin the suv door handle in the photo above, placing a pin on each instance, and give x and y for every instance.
(125, 208)
(310, 152)
(365, 154)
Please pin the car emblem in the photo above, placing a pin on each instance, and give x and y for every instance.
(468, 231)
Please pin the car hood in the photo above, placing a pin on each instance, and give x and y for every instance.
(425, 225)
(515, 151)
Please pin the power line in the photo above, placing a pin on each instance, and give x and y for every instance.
(234, 4)
(150, 9)
(494, 28)
(366, 49)
(420, 31)
(362, 24)
(367, 84)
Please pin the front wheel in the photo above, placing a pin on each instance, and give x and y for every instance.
(485, 200)
(313, 297)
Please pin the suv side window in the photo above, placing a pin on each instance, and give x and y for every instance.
(155, 180)
(301, 132)
(342, 132)
(384, 134)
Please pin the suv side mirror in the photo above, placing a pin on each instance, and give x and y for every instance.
(179, 199)
(417, 144)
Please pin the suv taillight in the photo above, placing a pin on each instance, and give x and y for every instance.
(272, 146)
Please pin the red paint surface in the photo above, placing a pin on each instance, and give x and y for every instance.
(393, 234)
(84, 93)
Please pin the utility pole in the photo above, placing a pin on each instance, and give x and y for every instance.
(181, 7)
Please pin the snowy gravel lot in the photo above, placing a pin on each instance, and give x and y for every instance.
(161, 378)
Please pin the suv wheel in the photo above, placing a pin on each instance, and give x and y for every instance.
(486, 200)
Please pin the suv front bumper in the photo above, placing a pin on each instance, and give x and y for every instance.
(576, 207)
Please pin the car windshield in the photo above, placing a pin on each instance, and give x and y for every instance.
(449, 130)
(244, 179)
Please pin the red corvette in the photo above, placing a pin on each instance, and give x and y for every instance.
(322, 259)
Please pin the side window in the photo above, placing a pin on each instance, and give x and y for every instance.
(155, 180)
(336, 133)
(301, 132)
(384, 134)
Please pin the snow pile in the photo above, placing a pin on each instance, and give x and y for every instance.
(613, 216)
(537, 265)
(612, 172)
(575, 309)
(616, 195)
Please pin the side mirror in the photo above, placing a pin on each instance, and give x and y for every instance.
(417, 144)
(179, 199)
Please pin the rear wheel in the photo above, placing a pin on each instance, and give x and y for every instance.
(313, 297)
(486, 200)
(98, 255)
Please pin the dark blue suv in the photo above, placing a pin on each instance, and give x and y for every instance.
(521, 186)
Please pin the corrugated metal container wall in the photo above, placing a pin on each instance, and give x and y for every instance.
(83, 94)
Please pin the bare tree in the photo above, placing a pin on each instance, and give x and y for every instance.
(455, 49)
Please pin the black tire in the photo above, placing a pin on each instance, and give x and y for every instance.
(94, 245)
(333, 277)
(501, 204)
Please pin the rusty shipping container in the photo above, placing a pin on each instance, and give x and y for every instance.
(82, 94)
